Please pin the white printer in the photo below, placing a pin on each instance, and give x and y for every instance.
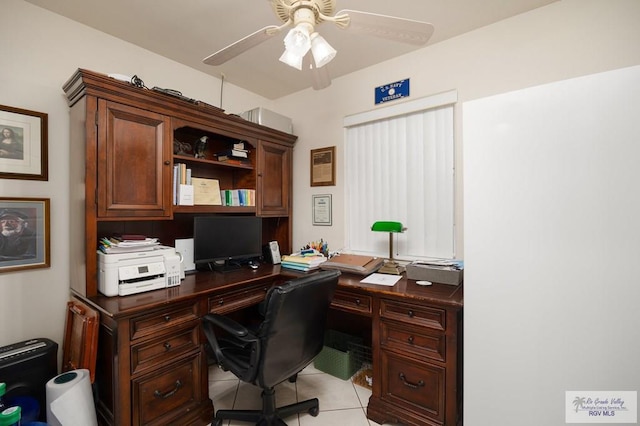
(122, 274)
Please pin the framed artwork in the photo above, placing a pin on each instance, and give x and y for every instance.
(322, 210)
(24, 233)
(23, 144)
(323, 166)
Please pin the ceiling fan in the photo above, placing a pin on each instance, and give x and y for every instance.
(307, 49)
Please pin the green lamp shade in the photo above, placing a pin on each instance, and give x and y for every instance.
(386, 226)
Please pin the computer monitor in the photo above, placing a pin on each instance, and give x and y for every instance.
(223, 243)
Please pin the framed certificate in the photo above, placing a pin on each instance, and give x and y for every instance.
(323, 166)
(322, 210)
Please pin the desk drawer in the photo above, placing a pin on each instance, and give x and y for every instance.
(166, 395)
(224, 303)
(156, 352)
(352, 302)
(411, 313)
(159, 321)
(413, 386)
(421, 342)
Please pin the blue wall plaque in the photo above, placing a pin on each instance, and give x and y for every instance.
(392, 91)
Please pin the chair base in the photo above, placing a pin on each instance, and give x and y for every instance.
(269, 415)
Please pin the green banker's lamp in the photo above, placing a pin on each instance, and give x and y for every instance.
(390, 266)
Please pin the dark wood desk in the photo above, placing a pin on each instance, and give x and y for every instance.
(152, 366)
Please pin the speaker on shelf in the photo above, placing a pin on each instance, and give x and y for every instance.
(271, 253)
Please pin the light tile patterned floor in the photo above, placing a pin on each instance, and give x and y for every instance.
(341, 401)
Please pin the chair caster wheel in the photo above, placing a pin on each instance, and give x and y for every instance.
(216, 422)
(314, 411)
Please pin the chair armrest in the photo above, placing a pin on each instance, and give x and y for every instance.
(227, 324)
(239, 336)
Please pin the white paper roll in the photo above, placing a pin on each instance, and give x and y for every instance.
(70, 400)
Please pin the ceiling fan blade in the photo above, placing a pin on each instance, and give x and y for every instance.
(320, 78)
(388, 27)
(241, 46)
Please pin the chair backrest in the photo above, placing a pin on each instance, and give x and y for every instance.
(292, 332)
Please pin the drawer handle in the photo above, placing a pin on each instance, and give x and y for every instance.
(410, 313)
(358, 302)
(410, 339)
(167, 345)
(221, 302)
(159, 394)
(409, 384)
(167, 318)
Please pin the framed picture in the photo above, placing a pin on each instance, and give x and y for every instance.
(24, 233)
(23, 144)
(323, 166)
(322, 210)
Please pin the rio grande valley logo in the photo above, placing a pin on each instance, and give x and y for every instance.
(601, 407)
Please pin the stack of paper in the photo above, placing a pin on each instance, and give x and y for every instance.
(117, 245)
(301, 262)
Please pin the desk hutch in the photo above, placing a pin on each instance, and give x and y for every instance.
(151, 363)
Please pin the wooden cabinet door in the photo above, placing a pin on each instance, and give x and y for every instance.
(273, 192)
(134, 162)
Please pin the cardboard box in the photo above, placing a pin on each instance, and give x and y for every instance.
(435, 274)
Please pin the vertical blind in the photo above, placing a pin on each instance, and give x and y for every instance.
(401, 168)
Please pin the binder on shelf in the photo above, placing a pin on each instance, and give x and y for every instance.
(206, 192)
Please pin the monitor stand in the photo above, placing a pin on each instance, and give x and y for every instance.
(226, 266)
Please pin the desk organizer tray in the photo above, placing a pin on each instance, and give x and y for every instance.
(435, 274)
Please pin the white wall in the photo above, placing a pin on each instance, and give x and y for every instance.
(551, 214)
(565, 39)
(41, 51)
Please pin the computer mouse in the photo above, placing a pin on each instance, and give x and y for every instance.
(253, 266)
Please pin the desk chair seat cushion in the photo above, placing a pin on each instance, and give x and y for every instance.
(287, 340)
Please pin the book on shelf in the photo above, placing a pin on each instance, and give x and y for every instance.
(234, 160)
(238, 197)
(181, 176)
(185, 195)
(239, 146)
(358, 264)
(206, 192)
(175, 184)
(233, 153)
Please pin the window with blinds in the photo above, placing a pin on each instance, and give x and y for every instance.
(399, 165)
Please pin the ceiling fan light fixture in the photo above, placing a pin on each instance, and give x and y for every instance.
(291, 59)
(322, 51)
(298, 40)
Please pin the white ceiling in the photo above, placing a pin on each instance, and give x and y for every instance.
(187, 31)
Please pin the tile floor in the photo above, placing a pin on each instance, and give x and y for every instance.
(341, 401)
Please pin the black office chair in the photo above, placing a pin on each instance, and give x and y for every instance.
(286, 341)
